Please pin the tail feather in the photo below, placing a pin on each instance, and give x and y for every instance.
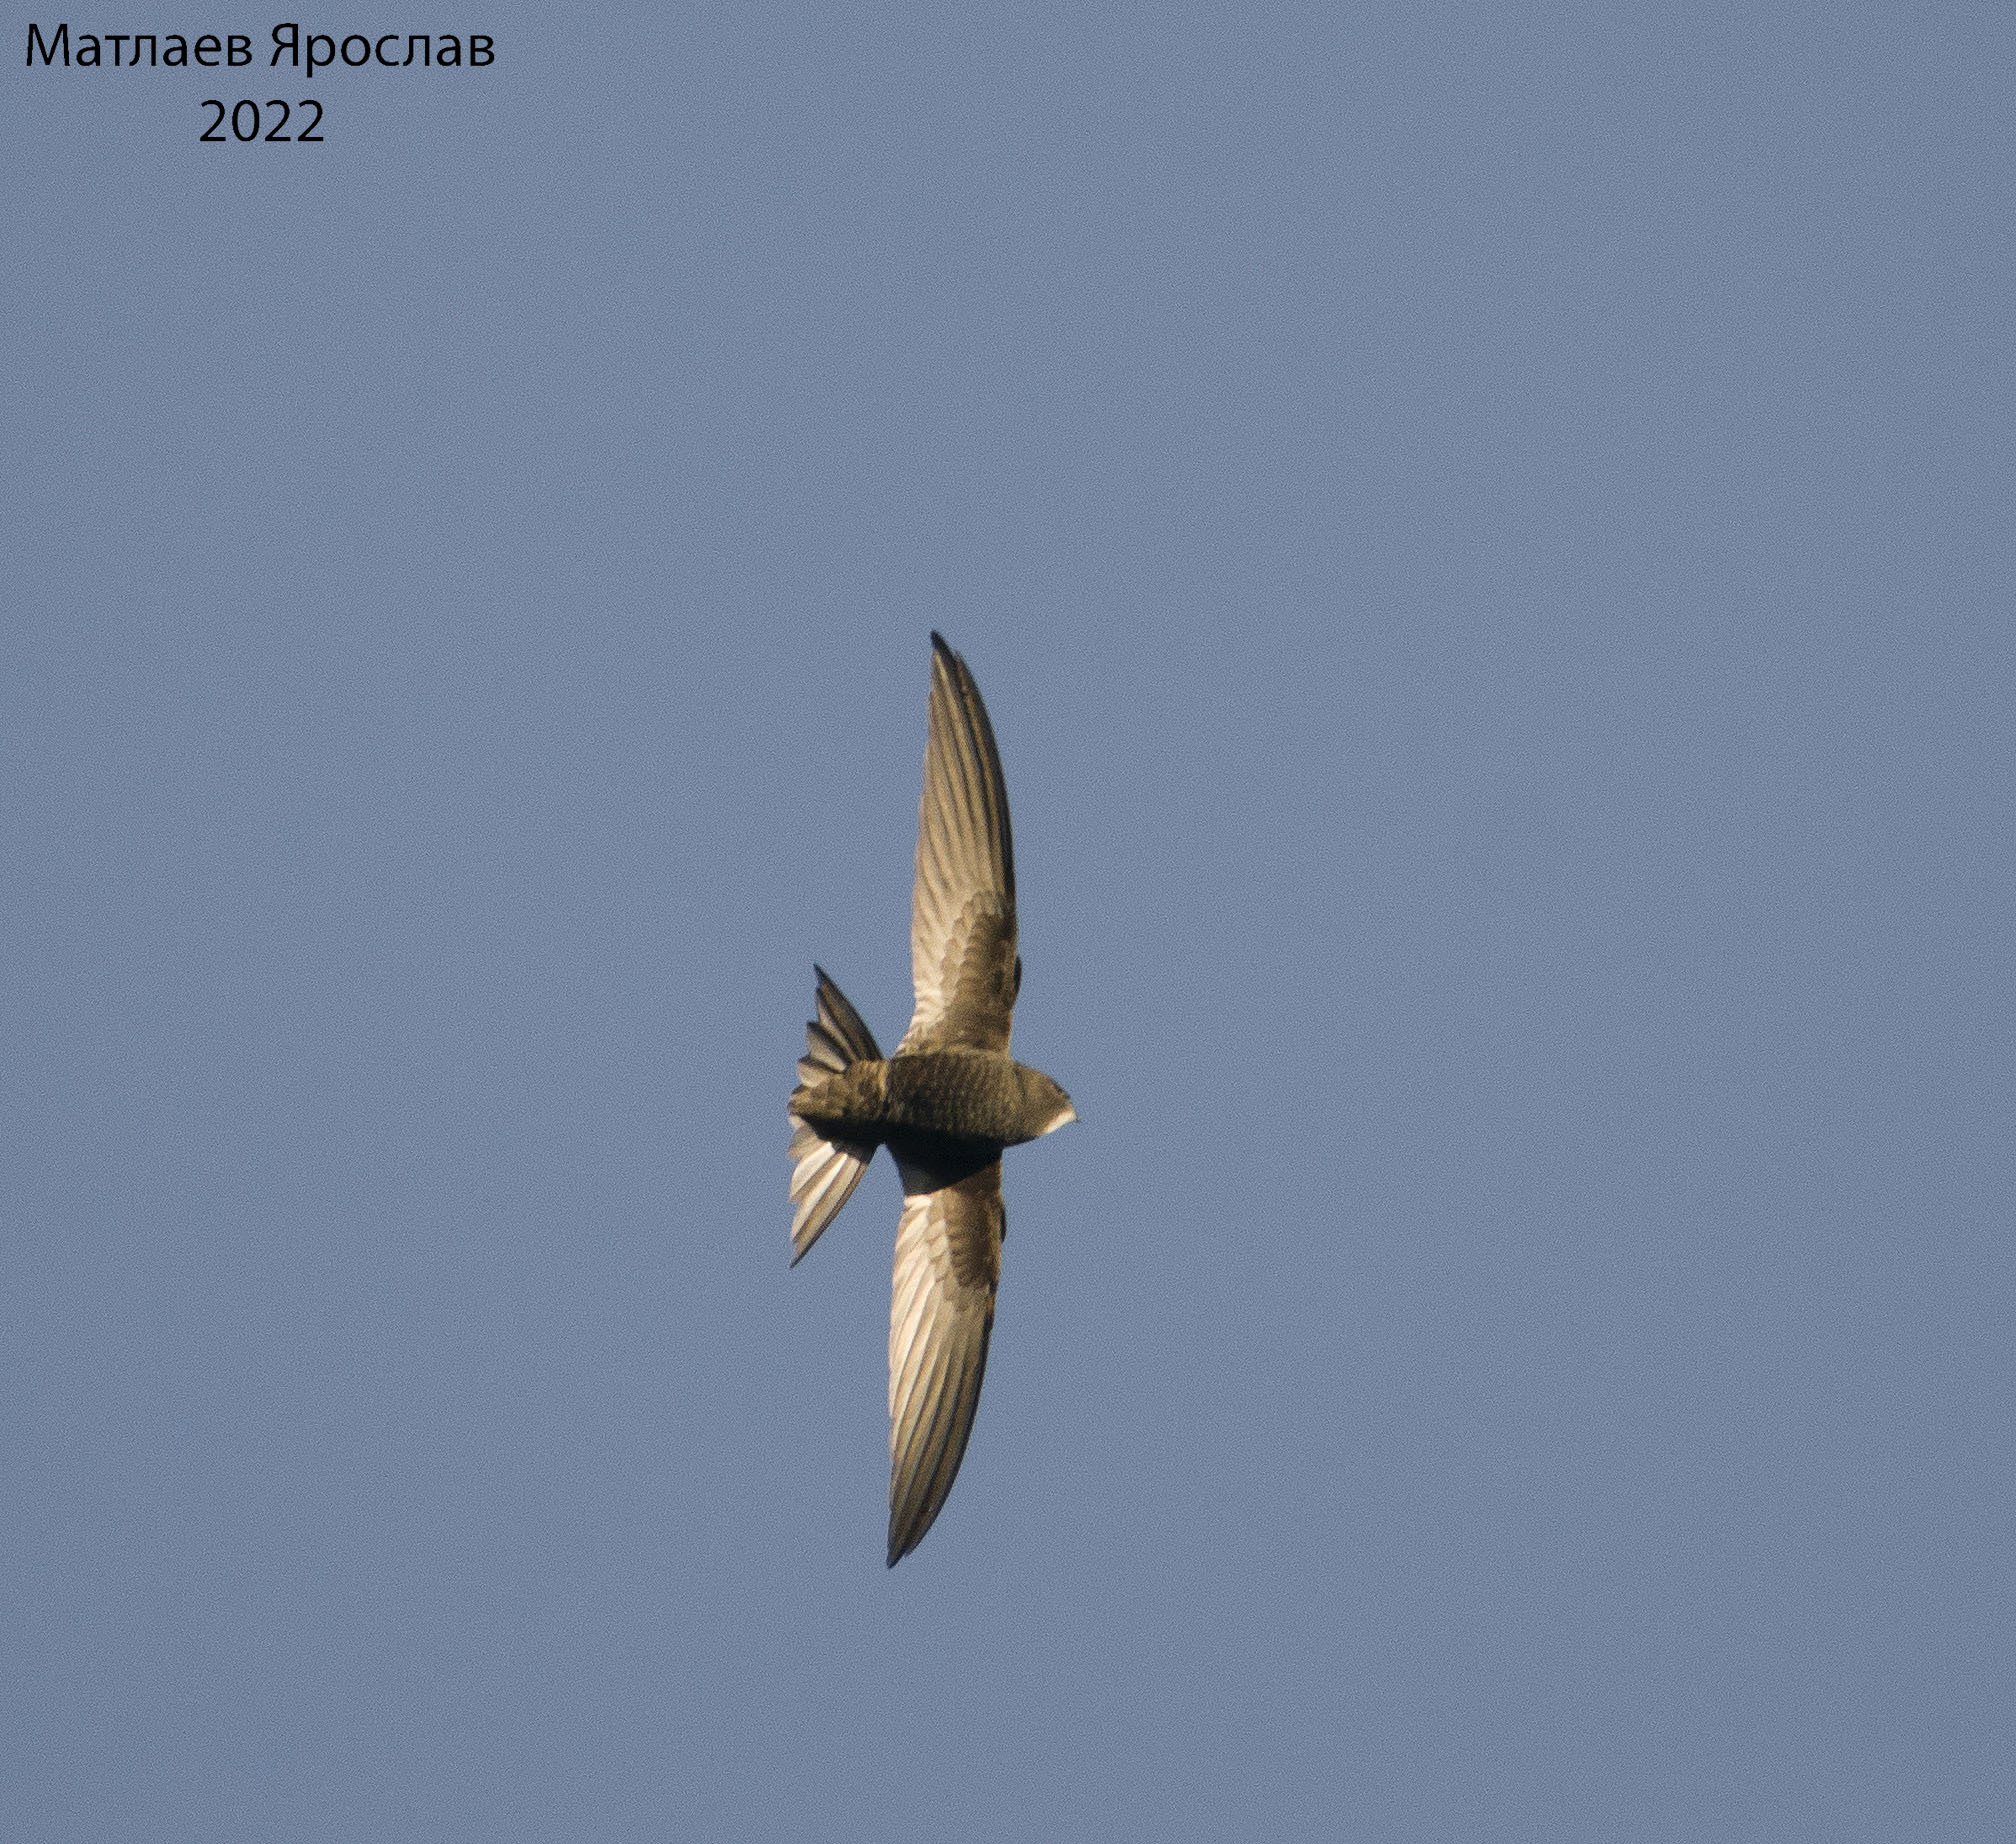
(827, 1170)
(837, 1037)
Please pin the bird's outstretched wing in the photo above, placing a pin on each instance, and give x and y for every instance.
(963, 960)
(941, 1313)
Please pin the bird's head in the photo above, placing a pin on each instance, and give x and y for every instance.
(1045, 1106)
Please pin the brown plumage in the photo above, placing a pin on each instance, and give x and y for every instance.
(946, 1104)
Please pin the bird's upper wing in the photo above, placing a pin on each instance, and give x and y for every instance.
(963, 959)
(941, 1313)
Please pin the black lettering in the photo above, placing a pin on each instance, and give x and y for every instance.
(447, 49)
(238, 112)
(212, 134)
(87, 40)
(480, 51)
(238, 49)
(50, 47)
(320, 38)
(209, 42)
(274, 133)
(363, 57)
(291, 44)
(426, 48)
(177, 51)
(306, 134)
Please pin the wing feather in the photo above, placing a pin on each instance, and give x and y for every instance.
(962, 912)
(941, 1316)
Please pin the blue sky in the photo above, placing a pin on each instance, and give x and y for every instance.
(1486, 534)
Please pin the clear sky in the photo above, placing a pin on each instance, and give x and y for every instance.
(1488, 534)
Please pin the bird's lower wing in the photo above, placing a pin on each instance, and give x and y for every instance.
(941, 1313)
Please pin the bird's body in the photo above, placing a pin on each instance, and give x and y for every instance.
(946, 1104)
(978, 1098)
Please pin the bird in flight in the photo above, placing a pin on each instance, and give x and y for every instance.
(946, 1104)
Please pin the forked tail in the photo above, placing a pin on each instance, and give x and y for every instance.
(827, 1170)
